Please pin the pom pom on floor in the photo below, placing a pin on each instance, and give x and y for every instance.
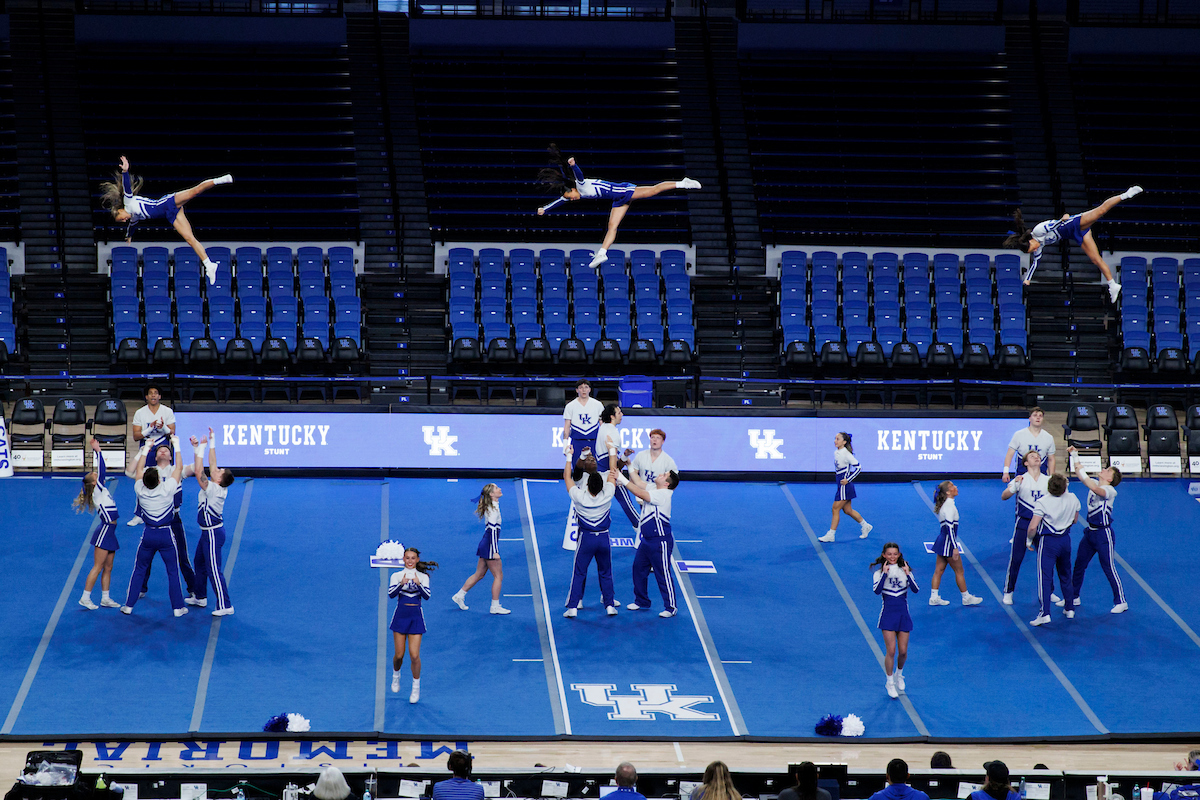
(830, 725)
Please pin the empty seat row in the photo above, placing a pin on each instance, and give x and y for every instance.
(522, 261)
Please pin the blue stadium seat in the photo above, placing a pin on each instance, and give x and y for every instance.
(885, 265)
(249, 281)
(887, 293)
(525, 303)
(643, 262)
(674, 263)
(580, 258)
(461, 316)
(255, 331)
(824, 266)
(554, 306)
(188, 331)
(222, 333)
(341, 255)
(981, 316)
(555, 333)
(1012, 294)
(1012, 316)
(854, 266)
(1164, 270)
(1166, 295)
(521, 262)
(682, 332)
(524, 316)
(919, 314)
(1132, 272)
(855, 314)
(791, 260)
(351, 330)
(825, 333)
(318, 331)
(585, 286)
(1014, 336)
(920, 337)
(589, 334)
(977, 266)
(856, 335)
(888, 337)
(1008, 265)
(553, 261)
(653, 333)
(156, 259)
(221, 309)
(852, 293)
(278, 259)
(915, 267)
(985, 335)
(677, 286)
(646, 287)
(587, 315)
(620, 333)
(915, 291)
(979, 293)
(249, 259)
(458, 258)
(1133, 319)
(311, 257)
(279, 286)
(952, 337)
(1193, 337)
(524, 332)
(316, 309)
(524, 287)
(491, 259)
(616, 313)
(465, 330)
(945, 265)
(1135, 339)
(1191, 270)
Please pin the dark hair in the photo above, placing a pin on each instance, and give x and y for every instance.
(673, 479)
(897, 770)
(1019, 238)
(847, 438)
(595, 484)
(150, 386)
(150, 477)
(881, 560)
(805, 774)
(941, 760)
(582, 381)
(557, 176)
(626, 774)
(1027, 455)
(1116, 471)
(941, 496)
(1037, 410)
(459, 763)
(422, 566)
(227, 478)
(609, 412)
(1058, 485)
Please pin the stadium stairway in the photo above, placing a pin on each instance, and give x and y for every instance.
(744, 307)
(406, 322)
(1030, 144)
(89, 351)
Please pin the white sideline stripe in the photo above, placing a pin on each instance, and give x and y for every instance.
(678, 752)
(547, 621)
(858, 618)
(538, 660)
(737, 662)
(210, 651)
(1023, 628)
(1161, 603)
(48, 633)
(540, 480)
(710, 597)
(518, 595)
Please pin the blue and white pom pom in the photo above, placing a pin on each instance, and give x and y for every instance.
(287, 723)
(299, 724)
(390, 549)
(277, 723)
(852, 725)
(830, 725)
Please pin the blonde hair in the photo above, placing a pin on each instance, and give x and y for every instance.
(718, 784)
(85, 503)
(485, 500)
(112, 193)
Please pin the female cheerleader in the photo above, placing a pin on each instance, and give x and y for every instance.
(126, 205)
(92, 497)
(846, 467)
(572, 186)
(1077, 227)
(1029, 487)
(946, 547)
(409, 586)
(488, 550)
(894, 580)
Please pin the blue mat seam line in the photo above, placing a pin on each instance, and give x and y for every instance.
(558, 702)
(1023, 628)
(381, 626)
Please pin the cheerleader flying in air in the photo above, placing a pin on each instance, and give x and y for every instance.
(1078, 227)
(563, 177)
(122, 200)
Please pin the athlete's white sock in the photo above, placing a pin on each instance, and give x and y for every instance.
(933, 593)
(966, 595)
(104, 596)
(1132, 191)
(87, 595)
(898, 672)
(210, 264)
(223, 179)
(416, 683)
(395, 673)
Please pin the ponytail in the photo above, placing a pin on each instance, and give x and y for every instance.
(940, 496)
(848, 439)
(900, 562)
(422, 566)
(1020, 236)
(84, 502)
(557, 177)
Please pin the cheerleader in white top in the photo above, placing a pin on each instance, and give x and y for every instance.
(1077, 227)
(591, 503)
(656, 541)
(1050, 533)
(214, 488)
(893, 581)
(488, 550)
(1098, 534)
(122, 200)
(1028, 487)
(945, 548)
(95, 497)
(563, 177)
(846, 469)
(1031, 438)
(409, 586)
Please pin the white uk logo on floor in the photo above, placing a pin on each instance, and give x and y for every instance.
(767, 446)
(443, 443)
(652, 699)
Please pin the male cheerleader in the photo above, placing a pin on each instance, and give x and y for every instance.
(1098, 533)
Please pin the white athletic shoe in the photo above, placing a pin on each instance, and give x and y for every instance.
(396, 684)
(827, 538)
(898, 680)
(210, 272)
(1078, 602)
(866, 529)
(1042, 619)
(460, 600)
(1058, 601)
(126, 610)
(499, 609)
(226, 178)
(179, 612)
(612, 611)
(87, 603)
(599, 258)
(1069, 614)
(687, 183)
(1007, 599)
(1114, 289)
(666, 614)
(972, 600)
(890, 685)
(223, 612)
(1119, 608)
(1132, 191)
(634, 607)
(570, 613)
(198, 602)
(415, 695)
(141, 595)
(133, 523)
(938, 600)
(110, 603)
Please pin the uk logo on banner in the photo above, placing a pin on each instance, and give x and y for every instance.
(6, 467)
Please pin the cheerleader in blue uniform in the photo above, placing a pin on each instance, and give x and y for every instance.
(94, 496)
(409, 586)
(126, 205)
(946, 547)
(488, 551)
(571, 185)
(846, 469)
(894, 580)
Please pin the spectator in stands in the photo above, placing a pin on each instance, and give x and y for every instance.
(460, 787)
(1031, 439)
(941, 760)
(126, 205)
(717, 785)
(571, 185)
(626, 779)
(805, 776)
(1191, 764)
(897, 784)
(331, 785)
(997, 786)
(1077, 227)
